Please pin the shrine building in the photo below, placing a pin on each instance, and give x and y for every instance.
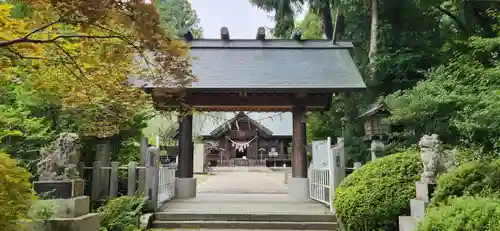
(265, 136)
(259, 75)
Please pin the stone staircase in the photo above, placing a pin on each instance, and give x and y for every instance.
(166, 220)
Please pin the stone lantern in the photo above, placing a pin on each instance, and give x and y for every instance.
(377, 128)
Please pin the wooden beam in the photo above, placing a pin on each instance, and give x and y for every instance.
(210, 100)
(239, 108)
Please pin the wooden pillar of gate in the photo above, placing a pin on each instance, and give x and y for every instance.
(299, 184)
(299, 155)
(185, 184)
(185, 165)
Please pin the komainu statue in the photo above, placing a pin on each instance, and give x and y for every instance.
(430, 153)
(59, 161)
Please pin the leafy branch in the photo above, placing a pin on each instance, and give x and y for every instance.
(38, 41)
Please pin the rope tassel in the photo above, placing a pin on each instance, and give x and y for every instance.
(241, 146)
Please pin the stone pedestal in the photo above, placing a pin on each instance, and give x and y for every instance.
(68, 215)
(424, 191)
(87, 222)
(59, 189)
(418, 206)
(299, 188)
(185, 188)
(66, 208)
(408, 223)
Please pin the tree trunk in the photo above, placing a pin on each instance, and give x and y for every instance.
(373, 37)
(326, 14)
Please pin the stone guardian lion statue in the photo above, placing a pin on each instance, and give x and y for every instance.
(430, 149)
(59, 162)
(434, 159)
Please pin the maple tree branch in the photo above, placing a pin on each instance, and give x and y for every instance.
(88, 97)
(19, 55)
(43, 28)
(28, 40)
(71, 71)
(124, 38)
(71, 58)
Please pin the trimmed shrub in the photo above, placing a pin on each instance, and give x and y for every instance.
(15, 192)
(372, 197)
(464, 214)
(477, 178)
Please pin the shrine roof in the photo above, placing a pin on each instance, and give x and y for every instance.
(272, 64)
(280, 124)
(376, 107)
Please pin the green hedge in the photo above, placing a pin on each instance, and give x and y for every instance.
(464, 214)
(372, 197)
(477, 178)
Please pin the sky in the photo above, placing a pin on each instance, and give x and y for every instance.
(239, 16)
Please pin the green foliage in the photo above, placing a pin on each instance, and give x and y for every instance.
(121, 214)
(15, 193)
(460, 100)
(128, 151)
(178, 16)
(23, 126)
(477, 178)
(372, 197)
(284, 11)
(311, 26)
(42, 210)
(464, 214)
(321, 125)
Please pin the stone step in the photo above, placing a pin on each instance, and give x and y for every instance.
(169, 216)
(245, 225)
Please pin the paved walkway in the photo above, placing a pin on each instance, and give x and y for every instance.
(243, 182)
(245, 192)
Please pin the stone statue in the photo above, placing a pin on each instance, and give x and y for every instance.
(434, 158)
(430, 153)
(59, 162)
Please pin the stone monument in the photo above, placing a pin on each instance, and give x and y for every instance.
(59, 184)
(435, 160)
